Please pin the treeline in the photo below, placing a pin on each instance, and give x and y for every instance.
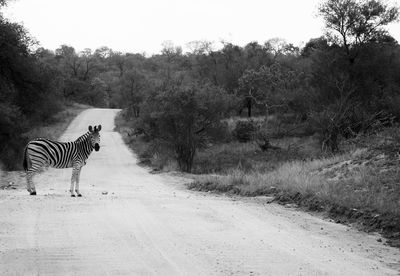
(29, 89)
(340, 84)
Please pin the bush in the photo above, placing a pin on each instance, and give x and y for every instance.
(245, 131)
(183, 116)
(11, 126)
(29, 91)
(219, 133)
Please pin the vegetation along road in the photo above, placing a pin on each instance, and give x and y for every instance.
(132, 222)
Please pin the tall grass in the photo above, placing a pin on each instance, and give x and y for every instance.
(364, 188)
(223, 158)
(298, 176)
(370, 189)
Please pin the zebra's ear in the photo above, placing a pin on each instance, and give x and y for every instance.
(90, 129)
(99, 128)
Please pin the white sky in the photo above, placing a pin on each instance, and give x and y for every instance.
(142, 26)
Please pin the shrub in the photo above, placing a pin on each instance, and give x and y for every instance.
(11, 126)
(245, 131)
(29, 91)
(182, 116)
(219, 133)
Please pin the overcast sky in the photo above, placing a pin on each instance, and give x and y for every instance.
(142, 26)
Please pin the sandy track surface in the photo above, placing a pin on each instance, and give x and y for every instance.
(151, 225)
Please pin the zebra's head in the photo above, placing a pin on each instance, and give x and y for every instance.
(95, 137)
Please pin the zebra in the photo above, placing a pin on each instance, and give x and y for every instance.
(42, 152)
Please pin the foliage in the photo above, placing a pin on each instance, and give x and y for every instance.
(338, 83)
(29, 90)
(352, 23)
(270, 87)
(245, 131)
(133, 88)
(182, 115)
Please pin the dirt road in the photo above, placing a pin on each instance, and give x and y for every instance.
(151, 225)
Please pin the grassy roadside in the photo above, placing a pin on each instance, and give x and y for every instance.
(359, 186)
(218, 157)
(52, 130)
(139, 147)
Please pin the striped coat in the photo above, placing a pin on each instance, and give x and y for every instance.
(41, 153)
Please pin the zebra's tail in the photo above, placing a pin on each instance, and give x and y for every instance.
(27, 160)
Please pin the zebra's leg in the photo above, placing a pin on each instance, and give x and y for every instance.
(28, 181)
(30, 186)
(73, 180)
(78, 175)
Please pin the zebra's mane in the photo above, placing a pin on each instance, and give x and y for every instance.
(83, 137)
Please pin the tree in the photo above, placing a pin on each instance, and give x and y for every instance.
(97, 94)
(315, 44)
(112, 82)
(335, 118)
(200, 47)
(29, 89)
(230, 66)
(255, 56)
(269, 87)
(69, 60)
(133, 87)
(88, 62)
(202, 62)
(103, 52)
(249, 89)
(278, 47)
(118, 60)
(182, 115)
(171, 62)
(352, 23)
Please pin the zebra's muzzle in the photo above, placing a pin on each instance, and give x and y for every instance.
(96, 147)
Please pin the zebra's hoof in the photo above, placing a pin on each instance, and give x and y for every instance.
(72, 195)
(33, 193)
(79, 195)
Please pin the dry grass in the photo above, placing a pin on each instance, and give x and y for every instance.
(223, 158)
(368, 189)
(232, 121)
(365, 188)
(295, 176)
